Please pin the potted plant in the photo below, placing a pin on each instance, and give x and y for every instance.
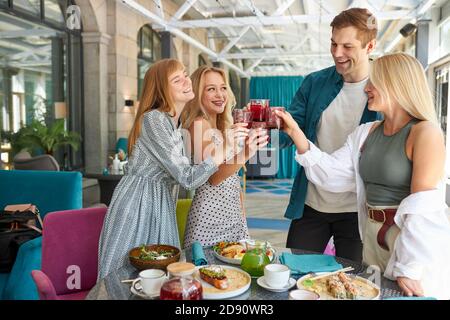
(37, 135)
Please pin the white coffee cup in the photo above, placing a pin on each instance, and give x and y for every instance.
(276, 275)
(152, 280)
(301, 294)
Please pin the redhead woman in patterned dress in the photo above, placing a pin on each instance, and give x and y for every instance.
(142, 209)
(216, 213)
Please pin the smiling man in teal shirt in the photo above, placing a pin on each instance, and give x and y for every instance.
(328, 106)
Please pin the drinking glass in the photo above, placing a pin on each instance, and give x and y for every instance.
(242, 116)
(181, 288)
(273, 121)
(255, 257)
(258, 108)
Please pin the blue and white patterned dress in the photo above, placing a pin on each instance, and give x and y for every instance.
(142, 209)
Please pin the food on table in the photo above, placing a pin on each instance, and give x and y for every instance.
(214, 275)
(234, 250)
(155, 254)
(351, 290)
(336, 288)
(341, 286)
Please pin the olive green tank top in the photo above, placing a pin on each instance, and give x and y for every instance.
(384, 166)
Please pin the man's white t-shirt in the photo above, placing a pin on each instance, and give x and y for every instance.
(337, 121)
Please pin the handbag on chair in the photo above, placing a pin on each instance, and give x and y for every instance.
(18, 224)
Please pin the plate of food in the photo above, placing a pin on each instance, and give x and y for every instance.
(341, 286)
(222, 282)
(232, 252)
(153, 256)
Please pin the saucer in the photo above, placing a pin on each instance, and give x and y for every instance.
(263, 284)
(136, 289)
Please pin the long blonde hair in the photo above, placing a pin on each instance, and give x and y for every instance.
(155, 95)
(194, 108)
(400, 77)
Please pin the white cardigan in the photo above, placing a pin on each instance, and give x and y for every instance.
(421, 250)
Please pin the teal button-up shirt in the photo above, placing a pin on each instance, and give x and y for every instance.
(315, 94)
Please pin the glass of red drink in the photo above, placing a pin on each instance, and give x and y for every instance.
(258, 109)
(273, 121)
(242, 116)
(181, 288)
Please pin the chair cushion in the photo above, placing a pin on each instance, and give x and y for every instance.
(183, 206)
(20, 284)
(49, 191)
(70, 248)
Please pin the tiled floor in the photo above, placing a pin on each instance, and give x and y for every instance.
(281, 187)
(265, 204)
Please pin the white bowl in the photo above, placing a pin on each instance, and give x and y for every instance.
(301, 294)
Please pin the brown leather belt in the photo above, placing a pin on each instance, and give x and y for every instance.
(386, 217)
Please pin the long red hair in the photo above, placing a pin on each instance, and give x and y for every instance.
(155, 95)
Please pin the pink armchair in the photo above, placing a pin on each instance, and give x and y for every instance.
(69, 254)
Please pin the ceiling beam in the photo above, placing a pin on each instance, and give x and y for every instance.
(276, 54)
(278, 20)
(253, 8)
(282, 8)
(250, 69)
(183, 9)
(160, 8)
(233, 42)
(150, 15)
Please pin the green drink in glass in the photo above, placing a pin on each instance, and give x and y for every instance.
(255, 258)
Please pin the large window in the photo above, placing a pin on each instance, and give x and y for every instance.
(149, 43)
(39, 66)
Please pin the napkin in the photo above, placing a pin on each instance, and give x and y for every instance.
(198, 256)
(305, 263)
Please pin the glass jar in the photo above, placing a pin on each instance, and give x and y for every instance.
(255, 257)
(181, 288)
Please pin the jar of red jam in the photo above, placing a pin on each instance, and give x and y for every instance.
(181, 288)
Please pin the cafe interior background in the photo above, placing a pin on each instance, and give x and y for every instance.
(77, 66)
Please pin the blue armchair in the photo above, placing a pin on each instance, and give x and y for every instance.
(49, 191)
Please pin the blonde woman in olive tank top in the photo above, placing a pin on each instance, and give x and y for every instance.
(396, 168)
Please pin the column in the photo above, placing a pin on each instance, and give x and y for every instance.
(422, 41)
(95, 53)
(245, 92)
(167, 50)
(75, 96)
(57, 70)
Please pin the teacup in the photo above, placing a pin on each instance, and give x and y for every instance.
(152, 280)
(301, 294)
(276, 275)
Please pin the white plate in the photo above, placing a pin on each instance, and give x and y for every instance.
(136, 289)
(238, 261)
(326, 296)
(261, 281)
(225, 294)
